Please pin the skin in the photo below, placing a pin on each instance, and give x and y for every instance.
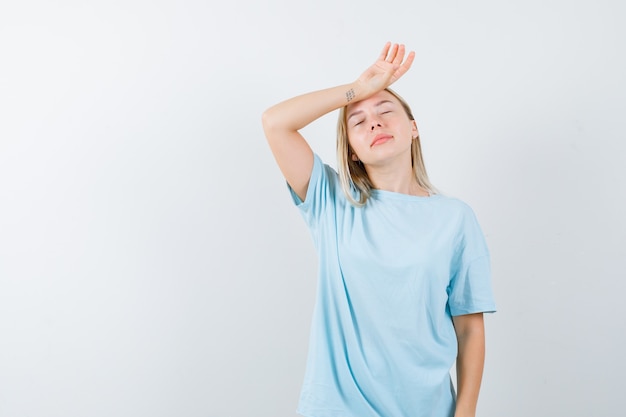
(371, 112)
(380, 134)
(470, 334)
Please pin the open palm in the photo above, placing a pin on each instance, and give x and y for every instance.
(388, 68)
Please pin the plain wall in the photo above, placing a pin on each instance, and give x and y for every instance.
(152, 263)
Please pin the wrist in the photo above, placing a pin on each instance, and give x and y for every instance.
(357, 91)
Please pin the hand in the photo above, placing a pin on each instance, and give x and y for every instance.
(389, 67)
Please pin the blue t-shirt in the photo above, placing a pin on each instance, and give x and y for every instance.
(391, 276)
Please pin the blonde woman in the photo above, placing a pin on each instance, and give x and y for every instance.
(404, 271)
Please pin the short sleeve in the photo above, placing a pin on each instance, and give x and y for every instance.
(319, 193)
(470, 289)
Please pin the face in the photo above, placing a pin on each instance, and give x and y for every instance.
(379, 130)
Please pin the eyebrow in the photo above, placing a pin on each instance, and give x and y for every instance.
(381, 102)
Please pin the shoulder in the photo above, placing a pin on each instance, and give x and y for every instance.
(322, 167)
(326, 177)
(454, 205)
(460, 216)
(323, 186)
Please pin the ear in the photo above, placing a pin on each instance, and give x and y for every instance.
(414, 132)
(355, 157)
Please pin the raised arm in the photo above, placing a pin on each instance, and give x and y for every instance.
(282, 122)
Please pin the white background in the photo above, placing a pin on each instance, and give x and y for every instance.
(152, 263)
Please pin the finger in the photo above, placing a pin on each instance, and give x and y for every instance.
(393, 51)
(385, 51)
(409, 60)
(397, 59)
(406, 65)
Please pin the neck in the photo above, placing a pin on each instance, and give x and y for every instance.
(397, 178)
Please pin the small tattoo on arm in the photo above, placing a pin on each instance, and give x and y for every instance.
(350, 94)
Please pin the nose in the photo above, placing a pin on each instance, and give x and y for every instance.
(377, 125)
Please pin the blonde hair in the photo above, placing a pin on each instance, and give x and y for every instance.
(352, 174)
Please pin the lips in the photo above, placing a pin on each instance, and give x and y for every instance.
(380, 139)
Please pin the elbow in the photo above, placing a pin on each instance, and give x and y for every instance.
(275, 126)
(469, 326)
(269, 120)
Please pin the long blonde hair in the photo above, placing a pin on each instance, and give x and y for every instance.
(352, 174)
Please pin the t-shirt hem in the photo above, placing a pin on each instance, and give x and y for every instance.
(473, 310)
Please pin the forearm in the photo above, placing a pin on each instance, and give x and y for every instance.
(469, 366)
(297, 112)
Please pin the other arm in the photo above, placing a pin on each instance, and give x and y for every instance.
(470, 332)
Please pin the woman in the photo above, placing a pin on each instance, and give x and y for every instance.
(404, 276)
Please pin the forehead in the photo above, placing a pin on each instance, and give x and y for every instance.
(371, 101)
